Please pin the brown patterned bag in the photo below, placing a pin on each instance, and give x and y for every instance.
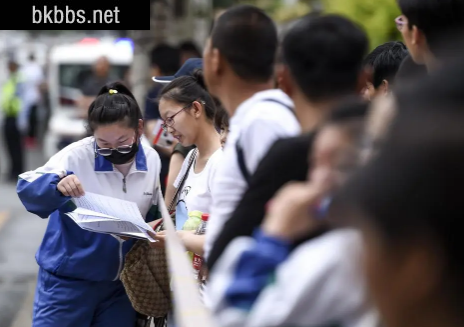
(146, 279)
(145, 274)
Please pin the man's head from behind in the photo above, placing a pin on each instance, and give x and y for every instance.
(242, 46)
(165, 60)
(384, 62)
(427, 25)
(323, 59)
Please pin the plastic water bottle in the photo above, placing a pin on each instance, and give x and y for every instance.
(198, 260)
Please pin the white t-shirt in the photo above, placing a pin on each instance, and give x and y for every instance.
(257, 124)
(196, 191)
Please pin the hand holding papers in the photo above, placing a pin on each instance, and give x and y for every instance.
(103, 214)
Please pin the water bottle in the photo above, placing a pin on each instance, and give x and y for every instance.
(198, 260)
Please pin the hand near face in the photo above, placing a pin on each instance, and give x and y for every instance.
(290, 214)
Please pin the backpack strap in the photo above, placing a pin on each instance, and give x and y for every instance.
(239, 150)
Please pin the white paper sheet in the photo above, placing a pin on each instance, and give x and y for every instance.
(103, 214)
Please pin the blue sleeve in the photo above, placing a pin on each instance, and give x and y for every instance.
(254, 270)
(151, 105)
(39, 194)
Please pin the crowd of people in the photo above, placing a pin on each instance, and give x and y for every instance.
(330, 177)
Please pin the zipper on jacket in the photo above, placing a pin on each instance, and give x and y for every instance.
(124, 187)
(120, 259)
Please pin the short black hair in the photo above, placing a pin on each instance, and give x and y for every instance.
(324, 55)
(435, 18)
(166, 58)
(247, 38)
(190, 46)
(114, 107)
(385, 60)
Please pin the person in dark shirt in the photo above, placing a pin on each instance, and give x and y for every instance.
(315, 79)
(92, 84)
(165, 61)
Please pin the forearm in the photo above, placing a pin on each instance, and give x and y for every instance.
(195, 243)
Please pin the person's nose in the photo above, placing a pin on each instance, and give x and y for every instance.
(171, 129)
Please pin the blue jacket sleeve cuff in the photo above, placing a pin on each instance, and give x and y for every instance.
(270, 245)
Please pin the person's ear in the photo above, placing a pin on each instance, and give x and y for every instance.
(417, 37)
(284, 80)
(216, 61)
(364, 78)
(197, 108)
(140, 128)
(384, 87)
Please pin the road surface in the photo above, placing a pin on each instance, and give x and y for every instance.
(20, 236)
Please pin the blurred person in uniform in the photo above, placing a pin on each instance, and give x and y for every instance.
(188, 50)
(428, 26)
(164, 62)
(16, 121)
(33, 76)
(92, 84)
(384, 62)
(239, 62)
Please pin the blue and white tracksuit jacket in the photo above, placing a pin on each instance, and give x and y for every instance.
(73, 260)
(258, 282)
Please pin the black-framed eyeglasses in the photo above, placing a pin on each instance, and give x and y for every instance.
(169, 122)
(123, 149)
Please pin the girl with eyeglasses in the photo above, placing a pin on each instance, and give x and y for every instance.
(78, 283)
(190, 115)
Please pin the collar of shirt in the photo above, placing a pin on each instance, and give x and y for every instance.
(244, 107)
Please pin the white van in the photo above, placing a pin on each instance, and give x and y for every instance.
(69, 65)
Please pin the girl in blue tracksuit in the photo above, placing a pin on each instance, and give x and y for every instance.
(78, 283)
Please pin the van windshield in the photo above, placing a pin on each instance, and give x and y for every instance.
(74, 75)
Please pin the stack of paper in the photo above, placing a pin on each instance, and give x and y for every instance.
(103, 214)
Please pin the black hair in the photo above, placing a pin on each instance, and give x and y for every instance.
(190, 46)
(247, 38)
(110, 108)
(187, 89)
(221, 119)
(166, 58)
(385, 60)
(324, 55)
(435, 18)
(409, 71)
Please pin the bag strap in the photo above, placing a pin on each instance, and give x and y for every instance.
(239, 150)
(182, 181)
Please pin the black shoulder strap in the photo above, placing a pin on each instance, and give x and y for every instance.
(182, 181)
(239, 149)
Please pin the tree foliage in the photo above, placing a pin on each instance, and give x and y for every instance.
(376, 17)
